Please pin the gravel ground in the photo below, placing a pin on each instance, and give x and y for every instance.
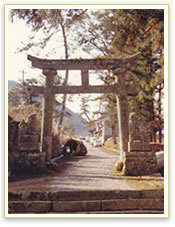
(92, 172)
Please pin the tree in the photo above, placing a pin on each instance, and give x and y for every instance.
(160, 117)
(117, 33)
(22, 95)
(85, 107)
(110, 104)
(25, 88)
(49, 21)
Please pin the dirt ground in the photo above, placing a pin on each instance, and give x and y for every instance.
(145, 182)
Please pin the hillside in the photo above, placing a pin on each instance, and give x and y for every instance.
(12, 84)
(74, 119)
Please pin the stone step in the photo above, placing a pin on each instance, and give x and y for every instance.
(26, 138)
(28, 147)
(121, 212)
(83, 195)
(117, 205)
(85, 201)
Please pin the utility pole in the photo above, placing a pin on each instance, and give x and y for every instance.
(23, 72)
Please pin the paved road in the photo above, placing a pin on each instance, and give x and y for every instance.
(92, 172)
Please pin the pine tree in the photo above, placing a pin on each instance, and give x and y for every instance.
(117, 33)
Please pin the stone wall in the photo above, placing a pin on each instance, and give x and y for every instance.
(12, 134)
(21, 163)
(24, 156)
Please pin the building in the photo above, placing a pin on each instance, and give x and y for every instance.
(103, 131)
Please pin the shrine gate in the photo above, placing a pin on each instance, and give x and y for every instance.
(118, 66)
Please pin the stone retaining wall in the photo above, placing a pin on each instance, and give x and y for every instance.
(23, 163)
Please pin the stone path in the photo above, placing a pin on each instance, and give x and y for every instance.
(92, 172)
(84, 185)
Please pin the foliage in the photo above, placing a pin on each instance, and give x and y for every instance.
(25, 90)
(85, 108)
(23, 112)
(136, 28)
(119, 33)
(22, 94)
(14, 97)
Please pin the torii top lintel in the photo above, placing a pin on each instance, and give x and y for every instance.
(84, 64)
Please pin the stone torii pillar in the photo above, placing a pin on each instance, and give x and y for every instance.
(47, 115)
(122, 110)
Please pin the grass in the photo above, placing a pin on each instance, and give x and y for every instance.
(151, 182)
(146, 183)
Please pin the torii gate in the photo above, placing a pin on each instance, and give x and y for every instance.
(49, 68)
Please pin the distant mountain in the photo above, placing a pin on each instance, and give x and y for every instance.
(77, 121)
(74, 119)
(12, 84)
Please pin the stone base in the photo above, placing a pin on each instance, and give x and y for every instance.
(28, 138)
(138, 146)
(29, 143)
(29, 147)
(139, 163)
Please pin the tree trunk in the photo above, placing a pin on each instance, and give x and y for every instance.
(63, 106)
(152, 116)
(160, 112)
(114, 134)
(66, 76)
